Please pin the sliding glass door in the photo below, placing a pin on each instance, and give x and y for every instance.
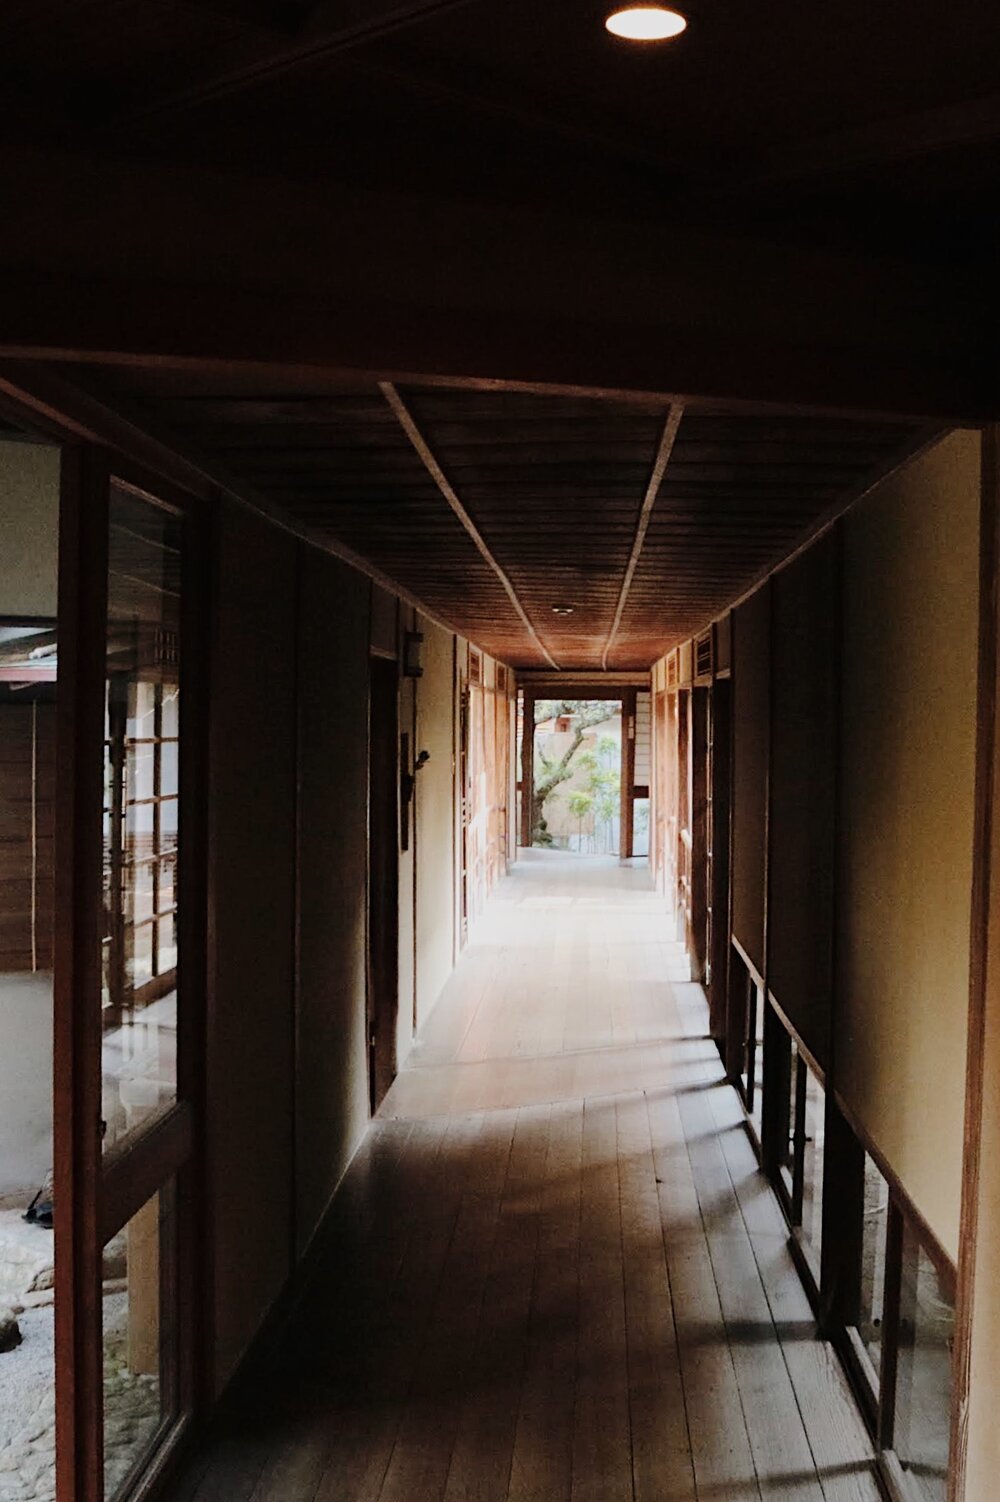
(129, 981)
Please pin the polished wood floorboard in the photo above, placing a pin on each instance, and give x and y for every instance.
(554, 1270)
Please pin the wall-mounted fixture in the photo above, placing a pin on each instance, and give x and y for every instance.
(407, 784)
(413, 642)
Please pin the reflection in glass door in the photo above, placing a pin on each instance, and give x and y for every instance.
(141, 823)
(140, 981)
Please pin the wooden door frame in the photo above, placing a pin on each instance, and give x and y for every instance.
(96, 1198)
(697, 937)
(527, 764)
(382, 1008)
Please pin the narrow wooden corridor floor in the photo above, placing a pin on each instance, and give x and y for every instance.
(554, 1270)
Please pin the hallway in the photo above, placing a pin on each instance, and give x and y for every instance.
(553, 1269)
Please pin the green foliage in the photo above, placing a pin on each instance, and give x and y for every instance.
(599, 797)
(550, 772)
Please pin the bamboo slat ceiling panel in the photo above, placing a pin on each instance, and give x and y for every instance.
(556, 487)
(738, 494)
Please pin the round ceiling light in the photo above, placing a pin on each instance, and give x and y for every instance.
(646, 23)
(562, 609)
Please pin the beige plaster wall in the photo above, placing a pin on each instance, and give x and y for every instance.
(910, 644)
(435, 817)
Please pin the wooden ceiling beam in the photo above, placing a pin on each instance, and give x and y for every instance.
(413, 433)
(879, 143)
(493, 293)
(665, 448)
(312, 33)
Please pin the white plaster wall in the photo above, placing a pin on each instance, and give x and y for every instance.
(25, 1081)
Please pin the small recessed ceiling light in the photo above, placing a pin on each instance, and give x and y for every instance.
(646, 23)
(562, 610)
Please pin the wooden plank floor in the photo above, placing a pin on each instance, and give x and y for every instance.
(555, 1271)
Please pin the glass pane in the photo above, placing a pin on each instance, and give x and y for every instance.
(139, 966)
(923, 1381)
(170, 720)
(876, 1216)
(787, 1160)
(29, 532)
(812, 1173)
(141, 705)
(640, 827)
(168, 769)
(141, 813)
(166, 945)
(757, 1021)
(139, 1327)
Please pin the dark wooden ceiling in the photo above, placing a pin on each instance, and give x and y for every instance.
(799, 115)
(795, 114)
(555, 487)
(793, 205)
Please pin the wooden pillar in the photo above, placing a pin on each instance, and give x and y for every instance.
(698, 825)
(720, 836)
(627, 822)
(527, 766)
(975, 1435)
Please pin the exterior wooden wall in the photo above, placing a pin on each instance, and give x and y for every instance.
(27, 811)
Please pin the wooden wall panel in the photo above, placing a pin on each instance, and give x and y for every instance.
(911, 587)
(802, 809)
(643, 738)
(252, 884)
(331, 1099)
(751, 700)
(27, 827)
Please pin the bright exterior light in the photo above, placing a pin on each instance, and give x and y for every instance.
(646, 23)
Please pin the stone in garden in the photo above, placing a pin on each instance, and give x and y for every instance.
(10, 1330)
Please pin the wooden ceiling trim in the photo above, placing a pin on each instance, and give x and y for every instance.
(440, 479)
(667, 440)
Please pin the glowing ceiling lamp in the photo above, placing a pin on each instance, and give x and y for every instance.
(646, 23)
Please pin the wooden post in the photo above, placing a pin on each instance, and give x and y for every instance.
(527, 766)
(626, 840)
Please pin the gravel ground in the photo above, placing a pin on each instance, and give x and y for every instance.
(27, 1373)
(27, 1412)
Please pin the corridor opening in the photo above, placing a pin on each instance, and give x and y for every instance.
(585, 771)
